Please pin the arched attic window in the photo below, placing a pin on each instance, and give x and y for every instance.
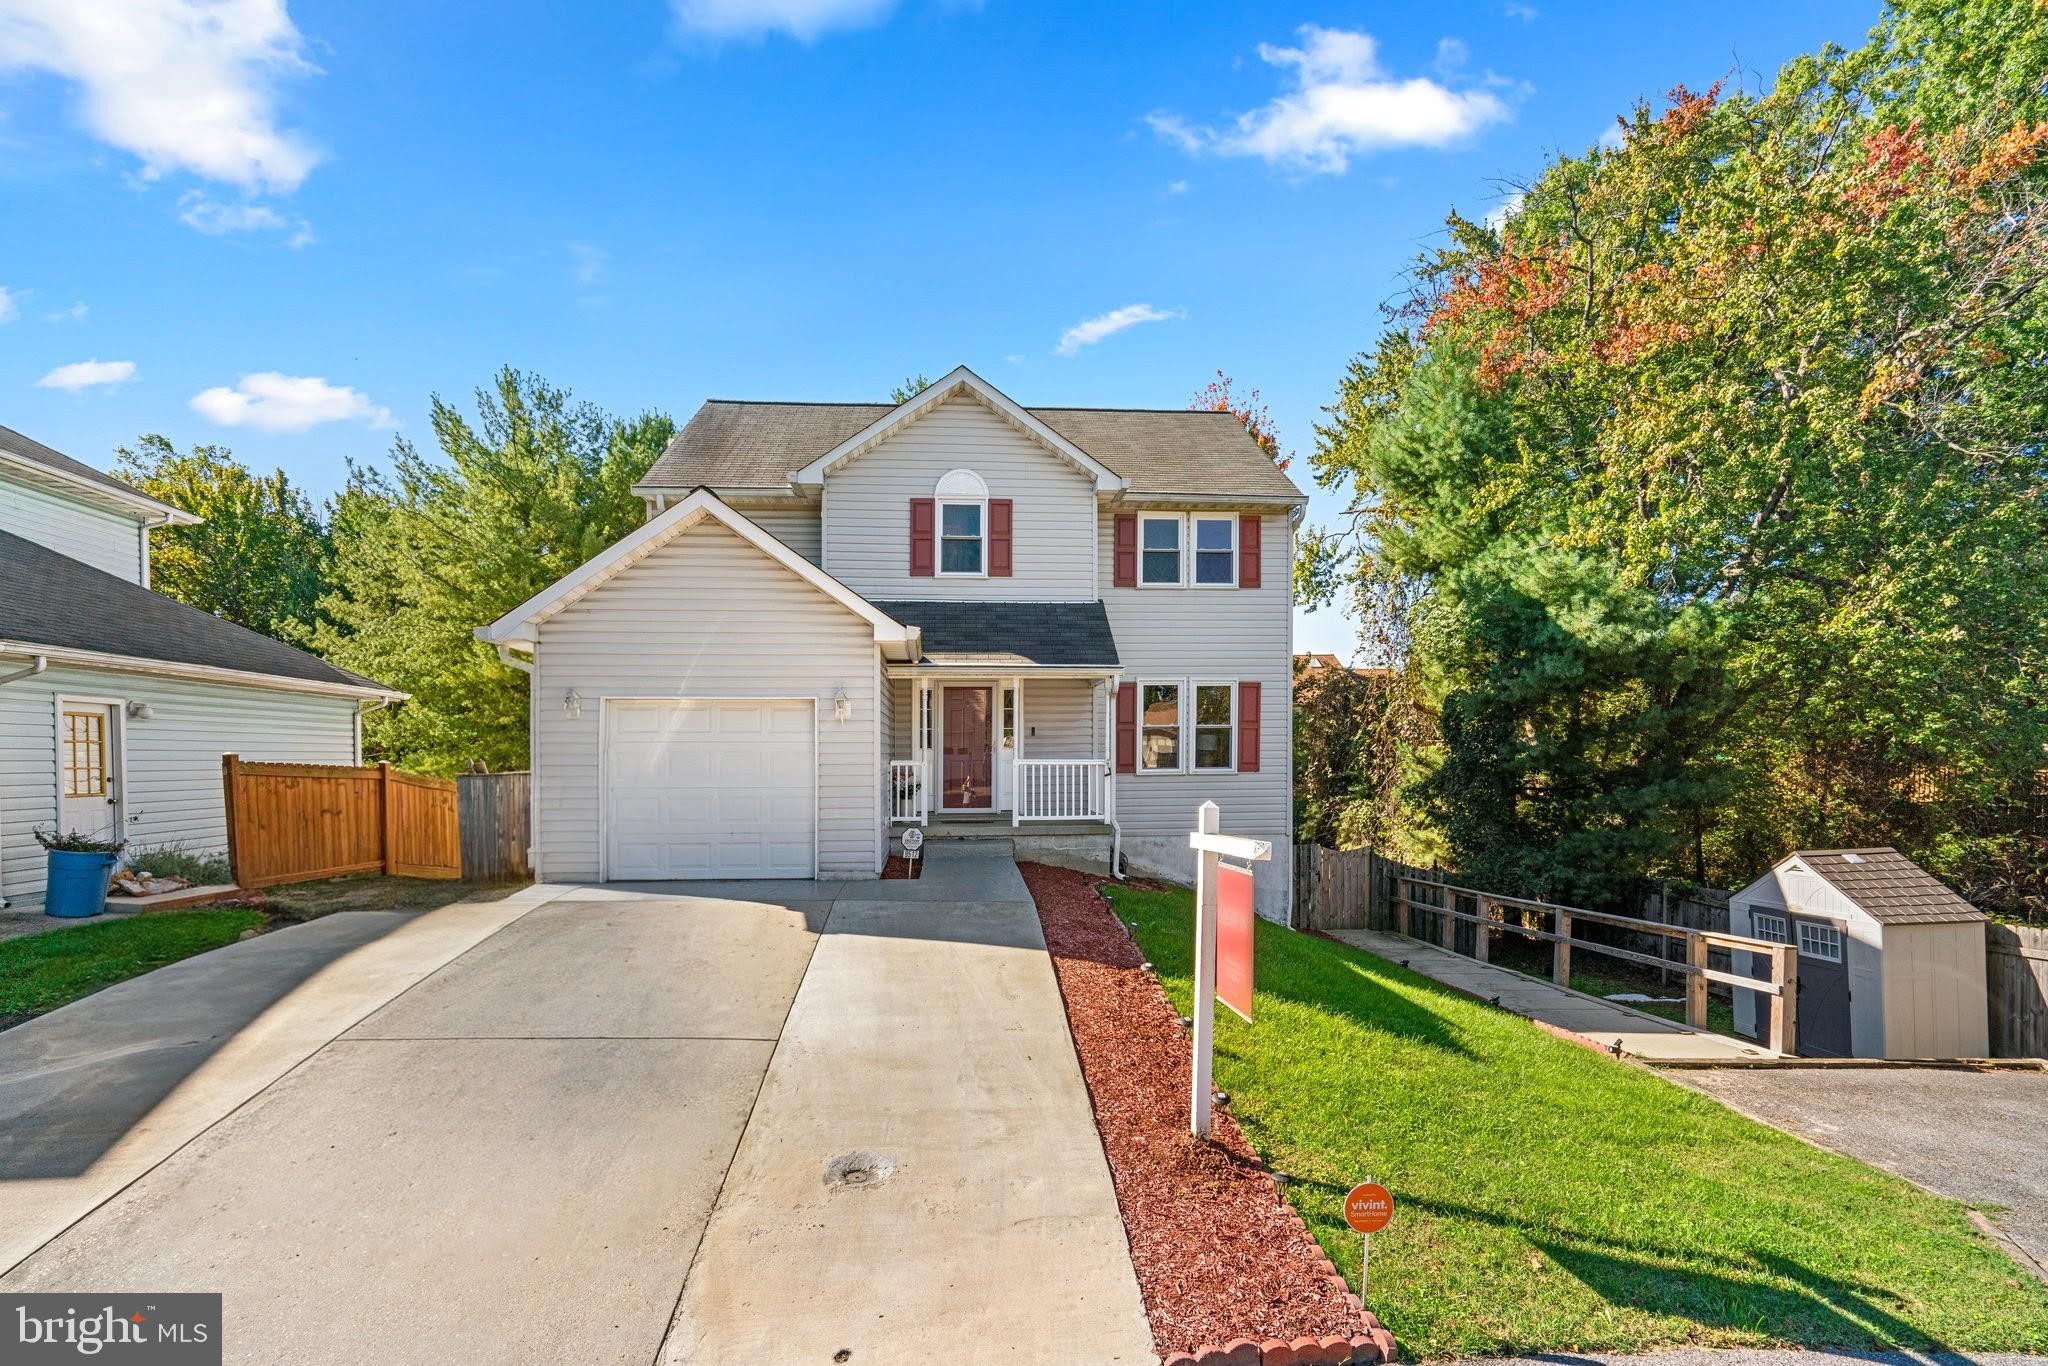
(962, 504)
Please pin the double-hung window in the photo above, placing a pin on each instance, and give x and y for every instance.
(1159, 551)
(1214, 725)
(961, 526)
(1215, 541)
(1159, 727)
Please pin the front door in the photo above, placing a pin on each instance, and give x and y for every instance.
(969, 773)
(85, 757)
(1823, 1015)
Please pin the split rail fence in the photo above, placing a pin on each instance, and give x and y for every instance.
(297, 822)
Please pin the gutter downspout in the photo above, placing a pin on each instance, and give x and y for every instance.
(377, 704)
(36, 664)
(525, 666)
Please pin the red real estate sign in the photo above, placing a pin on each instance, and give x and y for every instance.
(1234, 937)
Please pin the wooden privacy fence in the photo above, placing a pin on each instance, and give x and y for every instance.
(497, 819)
(2016, 990)
(296, 822)
(1440, 902)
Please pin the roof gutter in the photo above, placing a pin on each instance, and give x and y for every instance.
(35, 666)
(205, 673)
(128, 500)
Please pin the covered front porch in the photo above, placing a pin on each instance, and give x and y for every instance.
(978, 751)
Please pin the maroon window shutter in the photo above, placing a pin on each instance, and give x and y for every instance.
(1127, 728)
(1247, 728)
(1248, 553)
(921, 521)
(1126, 550)
(999, 538)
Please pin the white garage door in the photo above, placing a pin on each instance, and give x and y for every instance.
(709, 790)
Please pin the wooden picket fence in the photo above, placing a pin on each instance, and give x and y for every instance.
(2016, 987)
(497, 825)
(297, 822)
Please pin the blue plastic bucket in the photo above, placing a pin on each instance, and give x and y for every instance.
(78, 883)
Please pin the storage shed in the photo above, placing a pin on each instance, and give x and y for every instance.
(1891, 963)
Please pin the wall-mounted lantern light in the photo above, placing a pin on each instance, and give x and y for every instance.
(842, 705)
(141, 711)
(572, 704)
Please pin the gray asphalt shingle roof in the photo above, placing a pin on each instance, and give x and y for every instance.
(36, 453)
(66, 605)
(1891, 887)
(1044, 634)
(737, 444)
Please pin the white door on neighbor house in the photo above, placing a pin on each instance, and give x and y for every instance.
(88, 772)
(712, 789)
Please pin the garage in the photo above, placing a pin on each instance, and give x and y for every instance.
(723, 788)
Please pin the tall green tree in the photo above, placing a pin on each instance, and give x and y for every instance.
(510, 500)
(1766, 376)
(259, 557)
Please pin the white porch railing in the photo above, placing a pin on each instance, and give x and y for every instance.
(1062, 790)
(909, 793)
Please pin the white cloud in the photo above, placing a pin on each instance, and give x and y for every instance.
(588, 261)
(1451, 56)
(1109, 324)
(1342, 105)
(10, 303)
(88, 374)
(1497, 217)
(203, 213)
(182, 84)
(802, 20)
(286, 403)
(74, 314)
(1177, 187)
(1614, 137)
(1514, 9)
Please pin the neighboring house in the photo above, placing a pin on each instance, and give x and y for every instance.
(1890, 964)
(1070, 626)
(116, 702)
(1317, 664)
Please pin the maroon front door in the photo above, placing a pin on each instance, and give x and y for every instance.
(970, 767)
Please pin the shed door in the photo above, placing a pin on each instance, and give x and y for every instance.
(1823, 1018)
(709, 790)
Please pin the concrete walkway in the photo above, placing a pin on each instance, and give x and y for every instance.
(693, 1122)
(1604, 1022)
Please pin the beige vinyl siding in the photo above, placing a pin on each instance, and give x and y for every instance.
(867, 510)
(171, 760)
(104, 540)
(1213, 635)
(796, 526)
(708, 616)
(1934, 991)
(1063, 711)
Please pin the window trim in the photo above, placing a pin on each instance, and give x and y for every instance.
(1180, 549)
(1841, 942)
(1195, 726)
(1195, 549)
(1782, 934)
(939, 506)
(1180, 725)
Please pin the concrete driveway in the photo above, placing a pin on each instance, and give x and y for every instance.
(606, 1130)
(1972, 1136)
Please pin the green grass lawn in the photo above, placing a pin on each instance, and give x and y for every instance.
(39, 972)
(1550, 1198)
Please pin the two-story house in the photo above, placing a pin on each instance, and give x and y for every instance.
(116, 702)
(1064, 626)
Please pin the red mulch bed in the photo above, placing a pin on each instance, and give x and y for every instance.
(897, 869)
(1219, 1255)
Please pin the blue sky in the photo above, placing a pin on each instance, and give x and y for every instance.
(283, 229)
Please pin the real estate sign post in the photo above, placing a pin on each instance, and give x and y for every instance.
(1210, 847)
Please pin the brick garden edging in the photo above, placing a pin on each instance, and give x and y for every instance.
(1218, 1250)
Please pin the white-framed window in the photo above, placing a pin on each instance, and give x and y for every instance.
(1215, 544)
(1820, 941)
(924, 719)
(1009, 718)
(1159, 550)
(1159, 727)
(1214, 726)
(961, 508)
(1763, 925)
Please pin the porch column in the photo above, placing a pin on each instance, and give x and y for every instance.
(1109, 748)
(920, 745)
(1017, 755)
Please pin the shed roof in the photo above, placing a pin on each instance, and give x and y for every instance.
(1890, 887)
(1069, 635)
(732, 444)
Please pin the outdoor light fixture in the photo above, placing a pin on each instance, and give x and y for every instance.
(141, 711)
(842, 705)
(572, 704)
